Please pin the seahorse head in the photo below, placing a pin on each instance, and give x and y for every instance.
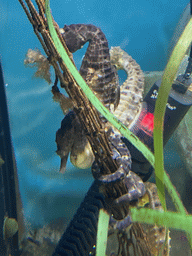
(73, 36)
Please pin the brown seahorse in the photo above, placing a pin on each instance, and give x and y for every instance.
(131, 92)
(99, 64)
(101, 76)
(96, 68)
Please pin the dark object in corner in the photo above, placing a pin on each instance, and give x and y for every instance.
(8, 204)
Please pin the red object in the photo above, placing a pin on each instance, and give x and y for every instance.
(148, 122)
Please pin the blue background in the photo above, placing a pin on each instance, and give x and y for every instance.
(143, 28)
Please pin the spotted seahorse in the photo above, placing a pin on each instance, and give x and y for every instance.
(96, 68)
(101, 77)
(100, 64)
(131, 92)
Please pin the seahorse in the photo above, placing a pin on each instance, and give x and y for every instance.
(96, 68)
(131, 92)
(101, 76)
(99, 72)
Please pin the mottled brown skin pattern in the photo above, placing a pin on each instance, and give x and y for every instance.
(139, 239)
(101, 76)
(96, 68)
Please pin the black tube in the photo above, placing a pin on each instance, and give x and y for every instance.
(80, 236)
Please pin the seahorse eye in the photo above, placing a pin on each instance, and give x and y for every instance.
(66, 28)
